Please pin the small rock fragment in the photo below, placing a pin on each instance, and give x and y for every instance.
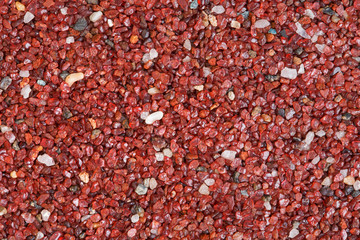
(301, 69)
(219, 9)
(64, 10)
(153, 91)
(231, 95)
(357, 185)
(141, 189)
(228, 154)
(199, 88)
(28, 17)
(135, 218)
(95, 16)
(267, 205)
(80, 24)
(74, 77)
(41, 82)
(3, 211)
(320, 47)
(301, 31)
(309, 13)
(70, 40)
(19, 6)
(326, 182)
(256, 111)
(209, 181)
(84, 177)
(309, 137)
(24, 74)
(320, 133)
(152, 183)
(289, 73)
(235, 24)
(349, 180)
(154, 117)
(159, 156)
(326, 191)
(110, 22)
(5, 129)
(204, 189)
(206, 71)
(39, 235)
(45, 215)
(194, 4)
(5, 83)
(167, 152)
(153, 54)
(213, 20)
(187, 44)
(131, 233)
(293, 233)
(46, 159)
(13, 174)
(25, 91)
(262, 23)
(95, 2)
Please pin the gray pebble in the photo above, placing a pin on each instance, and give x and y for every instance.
(5, 83)
(80, 24)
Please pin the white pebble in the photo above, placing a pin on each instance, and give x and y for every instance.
(213, 20)
(64, 10)
(39, 235)
(5, 129)
(187, 44)
(219, 9)
(320, 47)
(204, 190)
(206, 71)
(235, 24)
(143, 115)
(330, 160)
(231, 95)
(340, 134)
(309, 137)
(84, 177)
(293, 233)
(301, 69)
(344, 172)
(209, 181)
(152, 183)
(320, 133)
(326, 181)
(24, 74)
(110, 22)
(146, 57)
(70, 40)
(199, 88)
(25, 91)
(301, 31)
(146, 182)
(153, 91)
(289, 73)
(95, 16)
(262, 23)
(159, 156)
(141, 189)
(228, 154)
(154, 117)
(309, 13)
(46, 159)
(267, 205)
(135, 218)
(186, 59)
(45, 215)
(356, 185)
(28, 17)
(167, 152)
(74, 77)
(153, 54)
(316, 160)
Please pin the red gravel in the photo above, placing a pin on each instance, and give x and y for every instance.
(215, 119)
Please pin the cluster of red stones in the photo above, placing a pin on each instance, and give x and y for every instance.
(179, 119)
